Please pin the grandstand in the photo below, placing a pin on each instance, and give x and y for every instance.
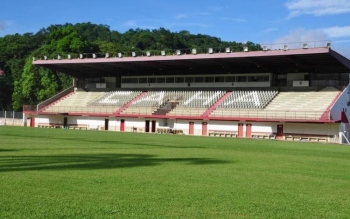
(289, 94)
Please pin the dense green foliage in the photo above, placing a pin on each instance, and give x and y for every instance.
(27, 84)
(58, 173)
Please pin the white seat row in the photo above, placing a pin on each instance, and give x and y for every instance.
(249, 99)
(116, 98)
(184, 98)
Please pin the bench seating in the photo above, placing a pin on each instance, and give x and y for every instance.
(178, 132)
(79, 127)
(48, 125)
(264, 135)
(320, 138)
(163, 130)
(222, 133)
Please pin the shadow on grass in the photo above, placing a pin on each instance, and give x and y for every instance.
(93, 161)
(7, 150)
(99, 141)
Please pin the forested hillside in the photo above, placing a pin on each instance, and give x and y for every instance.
(24, 83)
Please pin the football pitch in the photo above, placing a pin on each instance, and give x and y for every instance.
(58, 173)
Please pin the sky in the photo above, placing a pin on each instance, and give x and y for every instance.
(259, 21)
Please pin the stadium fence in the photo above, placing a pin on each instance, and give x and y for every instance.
(11, 118)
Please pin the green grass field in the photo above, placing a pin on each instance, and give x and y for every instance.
(57, 173)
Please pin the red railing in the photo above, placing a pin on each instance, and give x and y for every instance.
(192, 112)
(272, 114)
(29, 108)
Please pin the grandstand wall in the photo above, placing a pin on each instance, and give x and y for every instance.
(342, 104)
(331, 132)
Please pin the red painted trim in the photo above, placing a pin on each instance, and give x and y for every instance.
(248, 130)
(215, 105)
(204, 128)
(122, 125)
(191, 128)
(240, 129)
(190, 117)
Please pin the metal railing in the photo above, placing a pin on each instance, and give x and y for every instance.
(273, 114)
(54, 98)
(242, 47)
(11, 118)
(197, 112)
(35, 108)
(82, 109)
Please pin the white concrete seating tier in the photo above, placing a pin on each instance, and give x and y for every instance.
(304, 101)
(80, 98)
(287, 105)
(78, 102)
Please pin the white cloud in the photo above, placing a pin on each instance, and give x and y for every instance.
(204, 13)
(180, 16)
(302, 35)
(234, 19)
(341, 41)
(338, 32)
(130, 23)
(216, 8)
(4, 25)
(317, 7)
(296, 38)
(268, 30)
(193, 24)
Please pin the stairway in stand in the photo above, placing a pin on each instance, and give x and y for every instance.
(166, 108)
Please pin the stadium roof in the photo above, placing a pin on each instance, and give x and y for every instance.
(318, 60)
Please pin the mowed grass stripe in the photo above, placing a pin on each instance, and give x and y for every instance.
(57, 173)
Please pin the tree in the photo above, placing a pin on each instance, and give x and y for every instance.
(37, 84)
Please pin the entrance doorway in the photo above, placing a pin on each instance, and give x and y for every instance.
(240, 130)
(122, 125)
(106, 124)
(65, 122)
(248, 131)
(280, 132)
(153, 126)
(204, 128)
(147, 126)
(32, 122)
(191, 128)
